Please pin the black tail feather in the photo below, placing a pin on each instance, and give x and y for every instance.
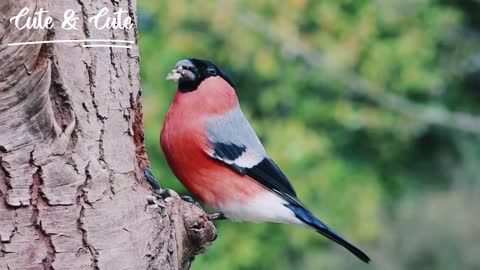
(307, 217)
(327, 232)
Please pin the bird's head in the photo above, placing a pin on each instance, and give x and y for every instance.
(190, 73)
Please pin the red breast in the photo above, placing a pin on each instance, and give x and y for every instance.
(184, 140)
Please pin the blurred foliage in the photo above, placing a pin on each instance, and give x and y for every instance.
(398, 186)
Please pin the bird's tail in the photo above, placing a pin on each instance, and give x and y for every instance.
(308, 218)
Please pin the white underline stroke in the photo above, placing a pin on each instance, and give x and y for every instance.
(72, 40)
(106, 45)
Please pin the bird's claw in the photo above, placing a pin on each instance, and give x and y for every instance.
(162, 194)
(189, 199)
(158, 193)
(216, 216)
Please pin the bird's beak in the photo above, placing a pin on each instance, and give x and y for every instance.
(184, 70)
(174, 75)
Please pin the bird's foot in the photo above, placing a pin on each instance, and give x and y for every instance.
(190, 200)
(158, 192)
(151, 179)
(216, 216)
(162, 194)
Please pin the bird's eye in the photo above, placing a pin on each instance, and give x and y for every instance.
(211, 71)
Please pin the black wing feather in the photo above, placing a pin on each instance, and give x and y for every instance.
(269, 175)
(266, 172)
(230, 152)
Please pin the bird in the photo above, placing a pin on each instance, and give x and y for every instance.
(214, 151)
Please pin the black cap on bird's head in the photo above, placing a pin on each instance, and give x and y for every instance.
(191, 72)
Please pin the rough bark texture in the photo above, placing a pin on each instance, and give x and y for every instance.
(72, 190)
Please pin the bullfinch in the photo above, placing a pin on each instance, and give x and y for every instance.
(214, 151)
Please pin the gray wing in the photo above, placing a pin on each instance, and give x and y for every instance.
(234, 142)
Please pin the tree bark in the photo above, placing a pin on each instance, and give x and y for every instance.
(72, 189)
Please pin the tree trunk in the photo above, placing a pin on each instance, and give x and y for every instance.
(72, 189)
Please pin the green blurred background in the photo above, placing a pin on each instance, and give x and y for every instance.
(370, 107)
